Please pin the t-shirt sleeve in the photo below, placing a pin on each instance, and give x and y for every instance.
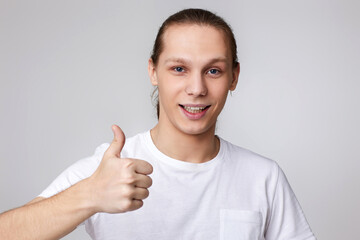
(287, 220)
(80, 170)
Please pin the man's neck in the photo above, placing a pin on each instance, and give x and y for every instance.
(197, 148)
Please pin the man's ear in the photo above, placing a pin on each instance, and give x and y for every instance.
(152, 72)
(235, 77)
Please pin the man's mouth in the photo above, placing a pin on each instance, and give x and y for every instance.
(194, 109)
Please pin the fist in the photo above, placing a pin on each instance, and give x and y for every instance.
(120, 184)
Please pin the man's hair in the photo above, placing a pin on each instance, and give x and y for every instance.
(192, 16)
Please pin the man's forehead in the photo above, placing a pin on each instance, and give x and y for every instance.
(176, 31)
(183, 43)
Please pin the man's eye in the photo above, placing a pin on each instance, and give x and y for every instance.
(179, 69)
(213, 71)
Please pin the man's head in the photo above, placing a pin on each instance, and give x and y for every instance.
(194, 17)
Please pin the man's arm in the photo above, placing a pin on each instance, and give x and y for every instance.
(50, 218)
(118, 185)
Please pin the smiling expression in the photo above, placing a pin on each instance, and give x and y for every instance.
(194, 74)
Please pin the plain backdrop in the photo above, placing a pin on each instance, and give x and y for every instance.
(70, 69)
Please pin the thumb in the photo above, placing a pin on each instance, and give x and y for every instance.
(118, 142)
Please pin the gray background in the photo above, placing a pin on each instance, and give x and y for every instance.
(70, 69)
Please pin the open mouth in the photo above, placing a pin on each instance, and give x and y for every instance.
(194, 109)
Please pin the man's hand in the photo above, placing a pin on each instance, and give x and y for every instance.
(120, 184)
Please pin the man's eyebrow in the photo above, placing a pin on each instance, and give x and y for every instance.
(177, 60)
(185, 61)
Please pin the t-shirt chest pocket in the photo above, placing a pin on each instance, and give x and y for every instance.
(240, 225)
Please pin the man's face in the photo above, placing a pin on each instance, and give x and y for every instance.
(193, 75)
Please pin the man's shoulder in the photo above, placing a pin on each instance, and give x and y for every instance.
(243, 158)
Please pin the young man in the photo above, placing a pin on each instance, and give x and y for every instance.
(202, 187)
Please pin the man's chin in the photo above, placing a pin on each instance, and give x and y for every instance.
(198, 130)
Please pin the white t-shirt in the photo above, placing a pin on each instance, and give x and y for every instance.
(236, 195)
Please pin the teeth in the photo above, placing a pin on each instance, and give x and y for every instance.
(194, 109)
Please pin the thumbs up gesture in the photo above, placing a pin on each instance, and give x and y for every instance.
(120, 184)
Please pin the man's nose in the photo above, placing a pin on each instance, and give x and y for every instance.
(196, 85)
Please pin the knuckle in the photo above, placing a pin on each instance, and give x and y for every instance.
(130, 179)
(127, 163)
(127, 192)
(127, 204)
